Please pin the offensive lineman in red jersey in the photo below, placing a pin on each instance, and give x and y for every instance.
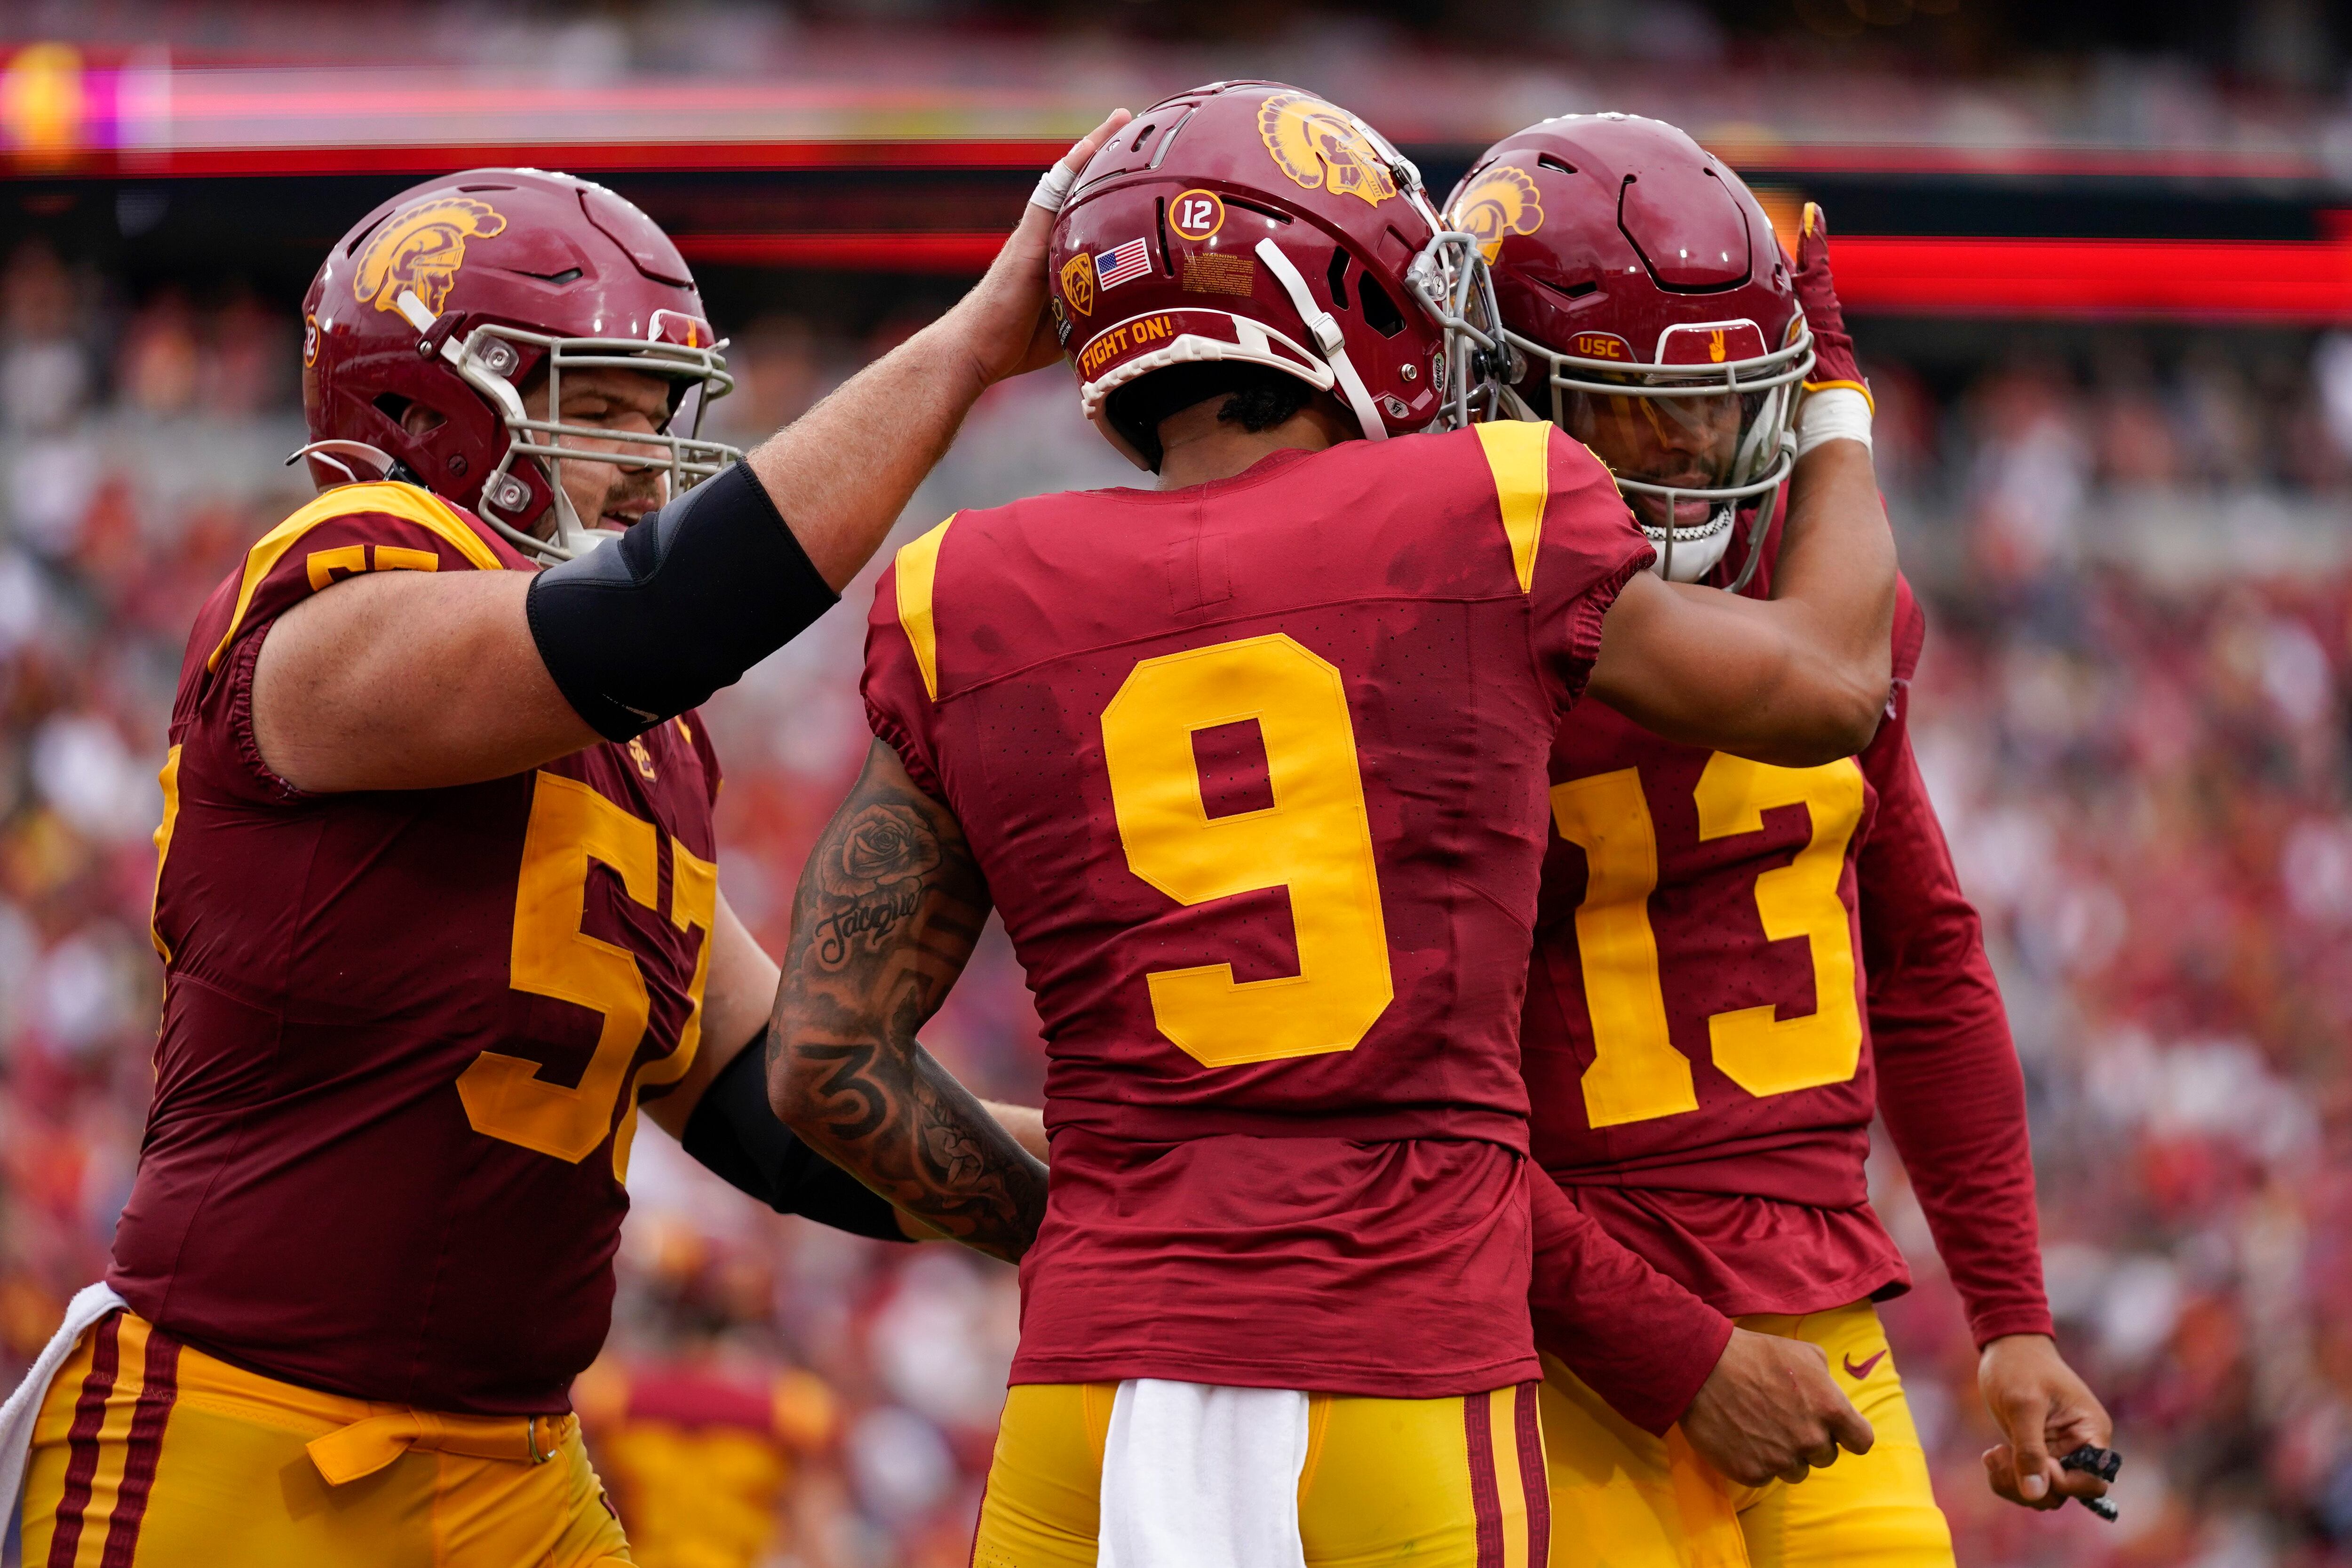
(438, 900)
(1253, 766)
(1704, 1090)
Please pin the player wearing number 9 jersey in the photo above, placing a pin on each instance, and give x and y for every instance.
(438, 900)
(1736, 963)
(1253, 765)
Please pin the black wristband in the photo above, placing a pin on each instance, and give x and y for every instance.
(736, 1136)
(650, 624)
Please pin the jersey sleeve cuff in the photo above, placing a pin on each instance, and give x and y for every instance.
(242, 660)
(1586, 616)
(892, 734)
(2021, 1320)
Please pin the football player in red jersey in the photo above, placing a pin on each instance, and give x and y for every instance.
(1735, 963)
(1253, 765)
(437, 894)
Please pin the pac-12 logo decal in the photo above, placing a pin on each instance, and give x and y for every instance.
(1078, 282)
(1499, 204)
(1316, 144)
(420, 249)
(1197, 214)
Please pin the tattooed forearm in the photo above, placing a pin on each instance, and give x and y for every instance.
(889, 907)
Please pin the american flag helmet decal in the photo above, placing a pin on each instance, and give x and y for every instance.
(1122, 264)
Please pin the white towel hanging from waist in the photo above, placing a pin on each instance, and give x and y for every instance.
(24, 1407)
(1198, 1476)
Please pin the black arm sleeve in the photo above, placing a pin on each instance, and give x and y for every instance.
(650, 624)
(737, 1137)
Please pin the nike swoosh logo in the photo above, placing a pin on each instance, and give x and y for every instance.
(1859, 1372)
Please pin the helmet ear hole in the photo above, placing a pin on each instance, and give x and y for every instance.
(418, 420)
(1380, 312)
(1338, 279)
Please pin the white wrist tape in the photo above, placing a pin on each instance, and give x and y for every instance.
(1053, 188)
(1833, 413)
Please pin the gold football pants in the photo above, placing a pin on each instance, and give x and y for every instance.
(1622, 1499)
(149, 1452)
(1402, 1483)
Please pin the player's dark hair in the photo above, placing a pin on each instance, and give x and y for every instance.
(1258, 399)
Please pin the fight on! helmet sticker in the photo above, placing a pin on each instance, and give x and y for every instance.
(419, 250)
(1078, 283)
(1197, 214)
(1320, 146)
(1122, 264)
(1501, 202)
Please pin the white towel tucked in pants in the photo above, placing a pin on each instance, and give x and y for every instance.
(90, 1303)
(1198, 1476)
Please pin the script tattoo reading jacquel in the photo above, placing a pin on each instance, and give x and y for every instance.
(890, 907)
(872, 873)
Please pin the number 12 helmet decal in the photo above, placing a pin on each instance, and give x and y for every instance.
(1641, 284)
(1251, 222)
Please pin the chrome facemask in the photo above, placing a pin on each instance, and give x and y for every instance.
(1766, 451)
(488, 357)
(1450, 279)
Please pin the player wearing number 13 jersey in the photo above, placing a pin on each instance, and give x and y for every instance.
(1253, 765)
(1737, 963)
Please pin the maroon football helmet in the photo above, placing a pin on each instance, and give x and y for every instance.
(1642, 284)
(1251, 222)
(453, 295)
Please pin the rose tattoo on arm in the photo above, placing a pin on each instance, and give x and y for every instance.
(872, 875)
(890, 905)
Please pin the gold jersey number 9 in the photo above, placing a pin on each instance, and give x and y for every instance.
(1316, 839)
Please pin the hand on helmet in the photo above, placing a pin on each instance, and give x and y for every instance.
(1834, 361)
(1003, 321)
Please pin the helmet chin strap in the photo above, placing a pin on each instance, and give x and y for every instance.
(570, 533)
(1693, 559)
(1329, 342)
(343, 455)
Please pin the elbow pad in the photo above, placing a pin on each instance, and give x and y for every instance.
(735, 1135)
(643, 628)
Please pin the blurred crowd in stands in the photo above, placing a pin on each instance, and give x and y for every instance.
(2133, 713)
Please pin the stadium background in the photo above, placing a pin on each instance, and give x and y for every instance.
(2097, 257)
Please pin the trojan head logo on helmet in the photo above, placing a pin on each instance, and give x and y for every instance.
(1501, 202)
(419, 250)
(1322, 147)
(460, 297)
(1640, 282)
(1253, 224)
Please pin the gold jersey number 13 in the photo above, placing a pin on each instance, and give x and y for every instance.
(1637, 1075)
(1316, 839)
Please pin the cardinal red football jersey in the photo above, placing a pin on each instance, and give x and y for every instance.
(405, 1032)
(1255, 772)
(1717, 939)
(1696, 1021)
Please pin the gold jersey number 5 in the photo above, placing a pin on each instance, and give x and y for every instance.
(1637, 1074)
(1316, 839)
